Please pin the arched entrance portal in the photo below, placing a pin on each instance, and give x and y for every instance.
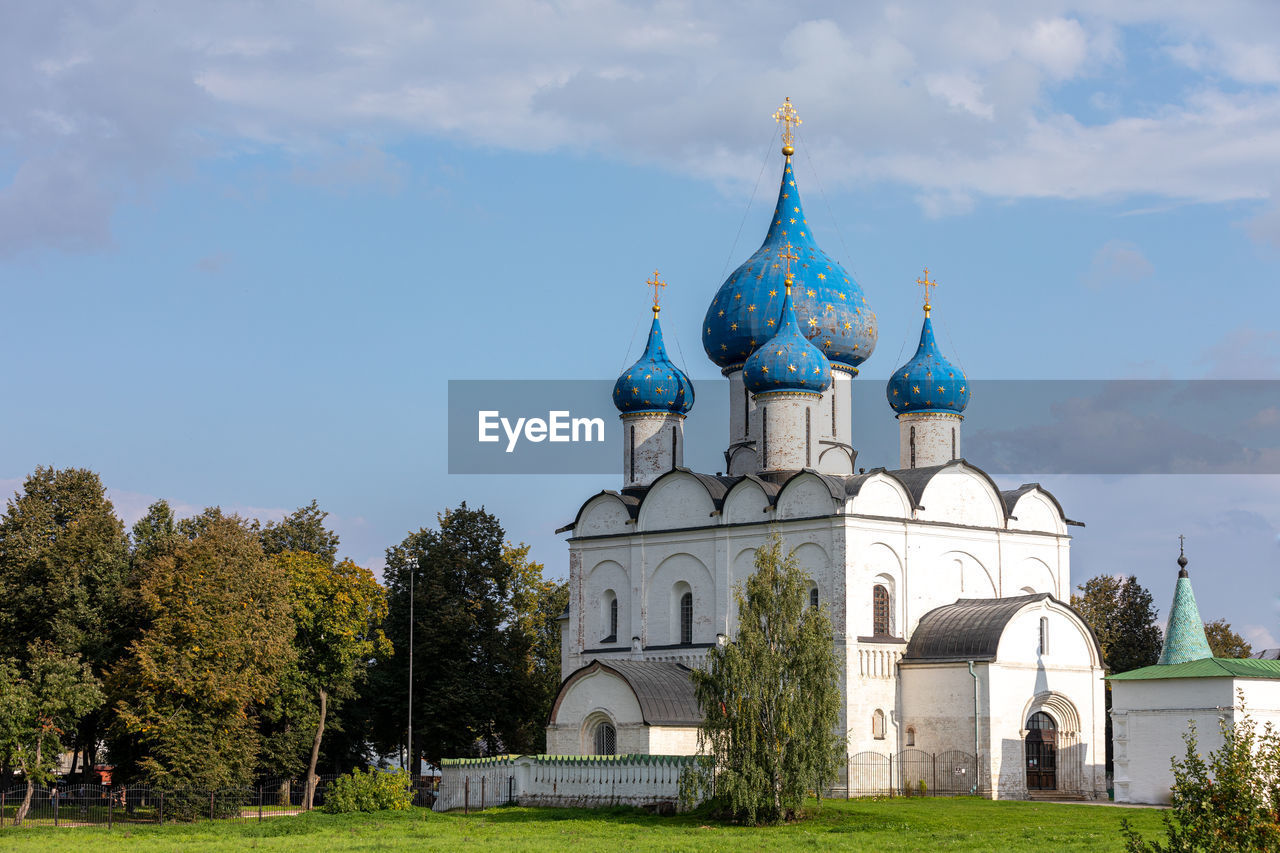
(1042, 752)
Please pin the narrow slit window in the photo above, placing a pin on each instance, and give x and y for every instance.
(953, 442)
(808, 438)
(813, 597)
(1044, 635)
(877, 725)
(686, 618)
(879, 611)
(911, 736)
(913, 447)
(631, 457)
(613, 620)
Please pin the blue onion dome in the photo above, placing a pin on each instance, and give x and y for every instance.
(928, 382)
(829, 305)
(653, 384)
(787, 361)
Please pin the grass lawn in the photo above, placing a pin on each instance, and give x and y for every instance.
(873, 825)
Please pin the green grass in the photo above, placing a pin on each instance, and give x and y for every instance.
(885, 825)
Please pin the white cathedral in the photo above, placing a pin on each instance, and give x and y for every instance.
(947, 596)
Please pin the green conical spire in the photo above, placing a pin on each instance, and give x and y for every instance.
(1184, 638)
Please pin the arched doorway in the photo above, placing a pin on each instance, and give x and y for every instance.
(1042, 752)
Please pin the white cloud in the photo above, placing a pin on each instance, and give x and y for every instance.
(1259, 637)
(955, 102)
(1117, 262)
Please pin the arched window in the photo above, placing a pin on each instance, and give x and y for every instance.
(879, 611)
(686, 618)
(613, 620)
(813, 597)
(606, 739)
(1044, 635)
(877, 724)
(911, 736)
(1041, 722)
(609, 616)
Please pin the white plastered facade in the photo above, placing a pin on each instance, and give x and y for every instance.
(954, 538)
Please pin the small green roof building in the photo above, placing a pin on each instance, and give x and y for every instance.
(1152, 707)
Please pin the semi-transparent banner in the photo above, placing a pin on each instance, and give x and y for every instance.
(548, 426)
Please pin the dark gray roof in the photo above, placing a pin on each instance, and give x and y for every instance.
(1267, 654)
(664, 690)
(970, 629)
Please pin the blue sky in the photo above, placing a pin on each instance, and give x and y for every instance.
(243, 248)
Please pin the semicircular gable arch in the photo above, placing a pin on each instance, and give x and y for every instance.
(681, 498)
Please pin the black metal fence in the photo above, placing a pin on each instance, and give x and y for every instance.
(914, 773)
(84, 805)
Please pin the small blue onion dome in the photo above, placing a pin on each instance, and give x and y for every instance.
(928, 382)
(830, 306)
(653, 384)
(787, 361)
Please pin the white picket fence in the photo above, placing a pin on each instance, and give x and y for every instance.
(561, 780)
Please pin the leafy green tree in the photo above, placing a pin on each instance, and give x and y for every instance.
(771, 698)
(337, 610)
(155, 533)
(470, 658)
(1224, 642)
(537, 603)
(1121, 614)
(302, 530)
(1226, 803)
(39, 700)
(63, 573)
(218, 636)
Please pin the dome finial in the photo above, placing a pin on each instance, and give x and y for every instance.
(926, 284)
(787, 116)
(1182, 557)
(656, 283)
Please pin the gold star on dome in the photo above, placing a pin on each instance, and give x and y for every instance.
(812, 293)
(961, 389)
(753, 342)
(841, 295)
(737, 296)
(847, 325)
(915, 389)
(779, 352)
(733, 327)
(813, 324)
(791, 367)
(751, 307)
(721, 312)
(765, 369)
(793, 222)
(796, 209)
(822, 275)
(827, 342)
(635, 390)
(816, 370)
(771, 323)
(723, 347)
(941, 390)
(648, 376)
(773, 293)
(792, 183)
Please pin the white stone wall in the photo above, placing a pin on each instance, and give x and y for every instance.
(937, 439)
(597, 697)
(789, 434)
(1149, 719)
(652, 444)
(830, 424)
(548, 780)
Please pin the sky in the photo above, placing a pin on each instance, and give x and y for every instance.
(244, 246)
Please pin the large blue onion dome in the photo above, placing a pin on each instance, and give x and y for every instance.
(787, 361)
(829, 305)
(928, 382)
(653, 384)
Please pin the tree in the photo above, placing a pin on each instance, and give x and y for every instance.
(538, 604)
(40, 699)
(1120, 612)
(302, 530)
(1225, 642)
(337, 611)
(470, 655)
(218, 637)
(1226, 803)
(771, 698)
(63, 573)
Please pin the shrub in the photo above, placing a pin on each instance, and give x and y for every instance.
(1227, 802)
(369, 791)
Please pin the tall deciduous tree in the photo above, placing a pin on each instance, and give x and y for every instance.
(1121, 614)
(469, 656)
(63, 571)
(40, 698)
(538, 603)
(302, 530)
(338, 610)
(1224, 642)
(218, 635)
(771, 698)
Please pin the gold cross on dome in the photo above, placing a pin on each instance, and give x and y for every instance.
(926, 284)
(656, 283)
(788, 255)
(788, 118)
